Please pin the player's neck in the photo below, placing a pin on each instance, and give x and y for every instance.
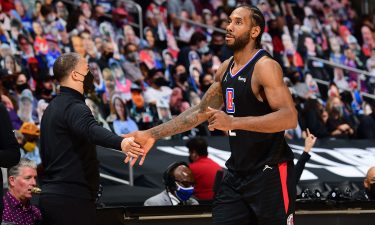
(243, 56)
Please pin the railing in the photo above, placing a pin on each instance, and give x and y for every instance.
(335, 65)
(118, 180)
(195, 23)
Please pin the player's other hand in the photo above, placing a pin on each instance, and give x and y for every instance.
(218, 120)
(145, 140)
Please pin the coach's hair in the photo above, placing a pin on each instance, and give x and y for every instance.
(257, 19)
(64, 64)
(15, 170)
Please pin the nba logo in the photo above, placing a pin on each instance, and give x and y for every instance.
(230, 107)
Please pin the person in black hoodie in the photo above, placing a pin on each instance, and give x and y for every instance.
(9, 148)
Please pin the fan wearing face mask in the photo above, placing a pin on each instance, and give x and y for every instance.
(368, 194)
(179, 187)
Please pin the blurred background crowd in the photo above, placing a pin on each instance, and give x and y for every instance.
(145, 75)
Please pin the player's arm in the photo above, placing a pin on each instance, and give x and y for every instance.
(194, 115)
(269, 77)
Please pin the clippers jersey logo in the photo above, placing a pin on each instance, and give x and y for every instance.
(229, 96)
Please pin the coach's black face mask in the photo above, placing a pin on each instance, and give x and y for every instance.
(88, 82)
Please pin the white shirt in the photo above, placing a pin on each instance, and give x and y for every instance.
(153, 95)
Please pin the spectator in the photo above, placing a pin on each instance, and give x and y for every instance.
(98, 77)
(369, 184)
(179, 187)
(9, 154)
(11, 67)
(25, 47)
(40, 43)
(203, 168)
(158, 91)
(41, 107)
(29, 142)
(305, 157)
(26, 108)
(205, 82)
(130, 37)
(131, 65)
(218, 46)
(123, 124)
(17, 206)
(175, 7)
(337, 125)
(61, 11)
(316, 67)
(156, 14)
(366, 128)
(197, 41)
(45, 88)
(312, 85)
(122, 84)
(96, 113)
(368, 41)
(110, 85)
(20, 85)
(145, 115)
(177, 102)
(186, 29)
(314, 118)
(337, 57)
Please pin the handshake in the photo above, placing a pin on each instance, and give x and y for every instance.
(138, 144)
(135, 145)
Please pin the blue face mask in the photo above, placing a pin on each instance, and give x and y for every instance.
(184, 193)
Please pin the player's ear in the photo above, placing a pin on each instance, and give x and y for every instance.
(255, 31)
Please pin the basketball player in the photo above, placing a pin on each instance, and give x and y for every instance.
(260, 185)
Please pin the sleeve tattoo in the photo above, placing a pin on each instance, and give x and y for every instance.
(191, 117)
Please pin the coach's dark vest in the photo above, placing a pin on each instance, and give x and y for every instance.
(250, 150)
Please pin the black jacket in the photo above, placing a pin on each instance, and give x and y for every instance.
(9, 148)
(69, 135)
(300, 165)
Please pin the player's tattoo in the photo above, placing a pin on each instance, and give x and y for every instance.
(191, 117)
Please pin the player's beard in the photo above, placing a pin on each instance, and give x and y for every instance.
(240, 42)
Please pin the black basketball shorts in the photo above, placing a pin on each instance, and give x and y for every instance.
(264, 197)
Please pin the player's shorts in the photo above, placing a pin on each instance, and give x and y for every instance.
(265, 197)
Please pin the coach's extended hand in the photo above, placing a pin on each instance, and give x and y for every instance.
(131, 148)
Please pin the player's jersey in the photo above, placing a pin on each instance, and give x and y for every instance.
(250, 150)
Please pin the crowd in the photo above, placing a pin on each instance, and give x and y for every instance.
(140, 83)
